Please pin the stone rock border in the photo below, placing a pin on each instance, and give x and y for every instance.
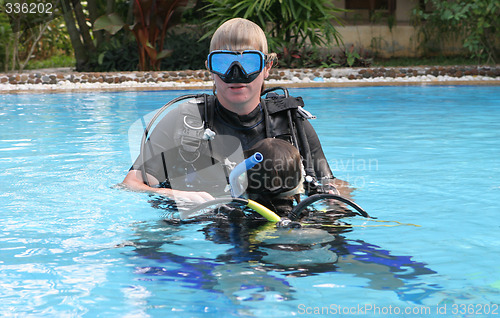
(60, 79)
(392, 72)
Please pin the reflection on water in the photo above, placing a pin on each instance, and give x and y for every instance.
(244, 259)
(59, 154)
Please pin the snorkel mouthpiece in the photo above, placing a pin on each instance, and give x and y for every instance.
(237, 75)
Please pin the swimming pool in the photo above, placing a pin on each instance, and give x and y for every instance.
(426, 157)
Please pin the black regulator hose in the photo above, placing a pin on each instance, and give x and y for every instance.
(257, 207)
(208, 204)
(150, 125)
(297, 211)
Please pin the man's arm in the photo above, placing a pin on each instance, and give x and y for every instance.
(321, 166)
(134, 181)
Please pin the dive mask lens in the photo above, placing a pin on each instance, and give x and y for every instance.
(250, 63)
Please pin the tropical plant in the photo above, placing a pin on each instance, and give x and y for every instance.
(353, 57)
(118, 54)
(54, 42)
(5, 41)
(152, 19)
(293, 25)
(476, 23)
(75, 17)
(188, 52)
(28, 21)
(79, 16)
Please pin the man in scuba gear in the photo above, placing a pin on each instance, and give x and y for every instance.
(182, 147)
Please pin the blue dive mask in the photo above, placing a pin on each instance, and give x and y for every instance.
(236, 67)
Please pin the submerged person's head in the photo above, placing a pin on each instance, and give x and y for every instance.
(240, 62)
(277, 180)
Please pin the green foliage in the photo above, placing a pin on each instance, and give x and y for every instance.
(476, 22)
(152, 18)
(188, 52)
(293, 25)
(351, 57)
(111, 23)
(121, 54)
(54, 41)
(89, 45)
(118, 54)
(22, 49)
(331, 58)
(5, 41)
(55, 60)
(28, 30)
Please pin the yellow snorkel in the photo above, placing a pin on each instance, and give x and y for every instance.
(257, 207)
(263, 211)
(237, 190)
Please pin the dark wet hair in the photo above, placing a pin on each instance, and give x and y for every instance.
(276, 180)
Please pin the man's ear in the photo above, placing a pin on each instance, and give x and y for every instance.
(267, 69)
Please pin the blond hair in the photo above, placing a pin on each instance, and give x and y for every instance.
(238, 35)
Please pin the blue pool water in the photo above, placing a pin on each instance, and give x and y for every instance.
(426, 159)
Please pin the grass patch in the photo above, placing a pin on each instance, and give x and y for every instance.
(52, 62)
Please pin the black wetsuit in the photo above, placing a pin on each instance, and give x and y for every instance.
(177, 153)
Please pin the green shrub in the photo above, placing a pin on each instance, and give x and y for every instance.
(118, 54)
(54, 61)
(476, 22)
(293, 25)
(188, 51)
(5, 40)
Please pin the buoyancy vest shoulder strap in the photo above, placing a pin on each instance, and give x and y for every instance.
(193, 127)
(195, 120)
(276, 103)
(293, 107)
